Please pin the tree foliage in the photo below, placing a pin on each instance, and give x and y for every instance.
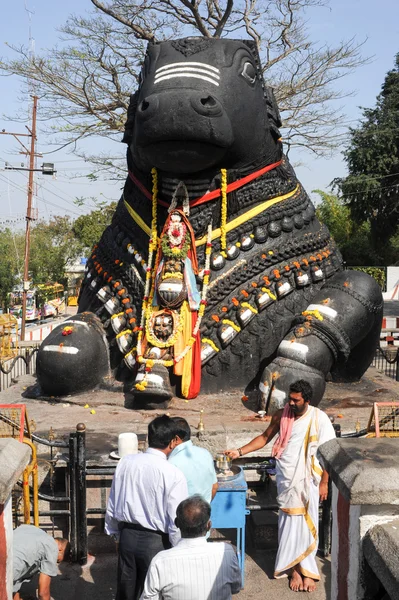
(101, 56)
(352, 239)
(53, 246)
(10, 249)
(371, 190)
(89, 228)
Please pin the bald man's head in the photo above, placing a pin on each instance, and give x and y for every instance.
(193, 517)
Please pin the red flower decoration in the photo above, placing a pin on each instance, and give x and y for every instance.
(67, 330)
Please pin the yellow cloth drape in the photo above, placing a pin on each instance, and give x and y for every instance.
(183, 367)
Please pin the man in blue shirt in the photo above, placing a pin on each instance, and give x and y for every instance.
(196, 463)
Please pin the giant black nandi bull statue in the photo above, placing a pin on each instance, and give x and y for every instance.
(215, 272)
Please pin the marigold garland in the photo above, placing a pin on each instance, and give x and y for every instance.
(211, 343)
(174, 275)
(269, 293)
(172, 339)
(250, 307)
(176, 252)
(233, 325)
(141, 386)
(223, 213)
(313, 313)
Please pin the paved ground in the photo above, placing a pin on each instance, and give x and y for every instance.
(231, 418)
(106, 414)
(96, 580)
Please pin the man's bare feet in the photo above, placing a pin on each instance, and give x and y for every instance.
(296, 583)
(309, 585)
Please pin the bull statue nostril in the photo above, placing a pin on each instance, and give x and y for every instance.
(206, 105)
(208, 101)
(144, 105)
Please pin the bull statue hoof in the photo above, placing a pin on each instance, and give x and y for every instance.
(74, 357)
(215, 263)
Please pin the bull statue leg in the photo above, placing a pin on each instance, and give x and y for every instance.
(337, 333)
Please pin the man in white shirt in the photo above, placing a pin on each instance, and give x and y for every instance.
(194, 569)
(145, 493)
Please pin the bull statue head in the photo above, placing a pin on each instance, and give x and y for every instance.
(193, 109)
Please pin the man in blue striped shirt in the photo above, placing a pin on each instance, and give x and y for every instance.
(196, 463)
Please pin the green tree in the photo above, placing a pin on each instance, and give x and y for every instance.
(53, 245)
(102, 55)
(371, 190)
(88, 228)
(352, 239)
(11, 251)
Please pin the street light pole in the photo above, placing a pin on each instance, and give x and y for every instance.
(29, 216)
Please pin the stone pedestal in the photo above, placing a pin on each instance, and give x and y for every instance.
(365, 483)
(14, 457)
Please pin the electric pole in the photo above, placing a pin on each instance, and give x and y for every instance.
(29, 215)
(31, 153)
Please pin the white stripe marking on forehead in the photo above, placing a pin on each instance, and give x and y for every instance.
(194, 75)
(186, 70)
(187, 64)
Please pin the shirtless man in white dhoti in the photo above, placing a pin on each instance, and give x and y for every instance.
(301, 483)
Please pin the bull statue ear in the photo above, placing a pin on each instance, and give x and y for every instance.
(251, 44)
(131, 114)
(273, 113)
(272, 104)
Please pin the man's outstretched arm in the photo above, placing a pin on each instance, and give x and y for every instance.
(43, 592)
(261, 440)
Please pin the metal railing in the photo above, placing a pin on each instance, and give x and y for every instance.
(22, 364)
(76, 490)
(387, 361)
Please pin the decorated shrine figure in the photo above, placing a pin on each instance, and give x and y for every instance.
(215, 273)
(172, 310)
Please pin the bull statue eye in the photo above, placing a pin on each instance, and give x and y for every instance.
(249, 72)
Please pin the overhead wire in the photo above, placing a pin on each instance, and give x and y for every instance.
(20, 188)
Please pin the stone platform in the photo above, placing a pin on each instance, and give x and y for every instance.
(230, 419)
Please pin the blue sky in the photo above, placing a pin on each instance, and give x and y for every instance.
(379, 23)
